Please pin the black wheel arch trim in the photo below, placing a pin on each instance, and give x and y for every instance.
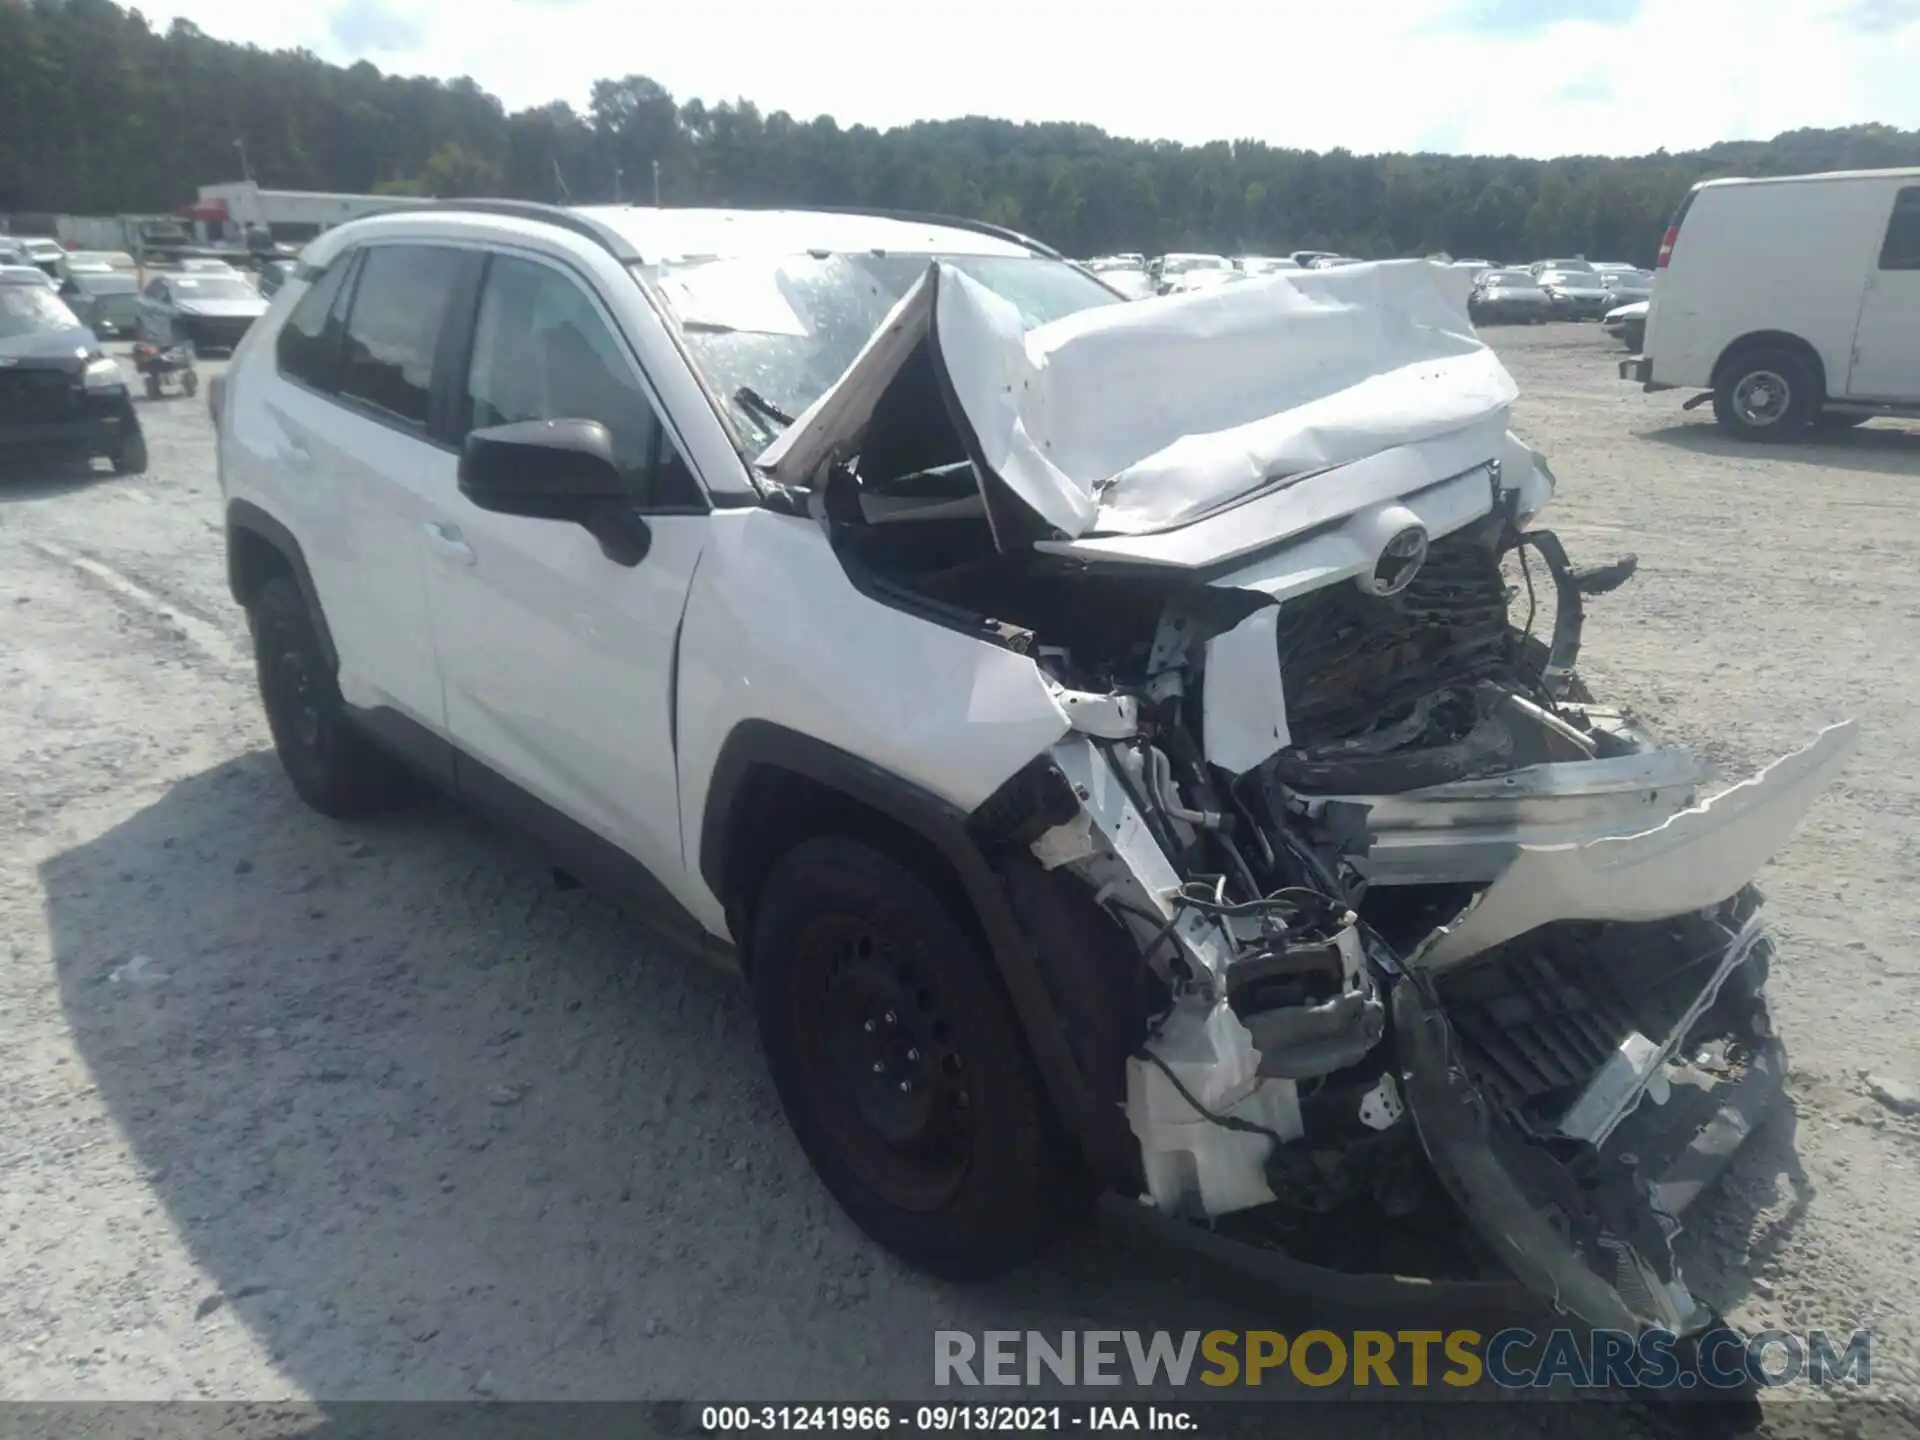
(244, 517)
(1784, 340)
(755, 745)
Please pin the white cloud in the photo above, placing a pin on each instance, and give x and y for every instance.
(1394, 75)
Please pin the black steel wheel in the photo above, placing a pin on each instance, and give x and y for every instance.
(901, 1067)
(333, 767)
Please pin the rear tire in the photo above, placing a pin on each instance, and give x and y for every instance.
(333, 767)
(901, 1068)
(1766, 394)
(131, 457)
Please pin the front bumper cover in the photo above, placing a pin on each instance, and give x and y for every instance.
(99, 424)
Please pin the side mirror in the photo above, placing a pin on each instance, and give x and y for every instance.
(556, 470)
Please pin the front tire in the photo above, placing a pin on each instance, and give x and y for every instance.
(333, 767)
(901, 1068)
(1768, 395)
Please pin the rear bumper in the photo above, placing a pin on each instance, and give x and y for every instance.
(212, 334)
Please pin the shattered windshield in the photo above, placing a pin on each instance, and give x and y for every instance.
(771, 333)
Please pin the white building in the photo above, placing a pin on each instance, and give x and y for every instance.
(290, 216)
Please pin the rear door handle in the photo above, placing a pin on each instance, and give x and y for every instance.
(448, 544)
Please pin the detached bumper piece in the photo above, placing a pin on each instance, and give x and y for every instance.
(1577, 1088)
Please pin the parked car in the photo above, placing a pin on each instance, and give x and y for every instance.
(1819, 326)
(1575, 294)
(274, 273)
(210, 311)
(1305, 258)
(857, 644)
(12, 252)
(46, 254)
(205, 265)
(1628, 286)
(1508, 296)
(26, 275)
(107, 301)
(78, 262)
(1628, 324)
(1579, 263)
(1171, 270)
(1189, 281)
(1263, 264)
(1329, 262)
(60, 397)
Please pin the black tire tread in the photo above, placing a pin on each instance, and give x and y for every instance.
(1800, 378)
(1026, 1185)
(349, 777)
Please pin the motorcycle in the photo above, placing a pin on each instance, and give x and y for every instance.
(158, 365)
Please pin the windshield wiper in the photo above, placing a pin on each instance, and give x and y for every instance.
(752, 401)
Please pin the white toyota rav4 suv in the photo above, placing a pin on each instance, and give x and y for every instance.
(1104, 734)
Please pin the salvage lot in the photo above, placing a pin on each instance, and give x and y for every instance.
(302, 1109)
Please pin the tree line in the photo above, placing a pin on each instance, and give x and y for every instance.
(102, 114)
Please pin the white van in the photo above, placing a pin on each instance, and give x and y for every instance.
(1795, 301)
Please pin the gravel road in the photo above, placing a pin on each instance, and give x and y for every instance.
(302, 1110)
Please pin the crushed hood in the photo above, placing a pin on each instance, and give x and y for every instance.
(1127, 420)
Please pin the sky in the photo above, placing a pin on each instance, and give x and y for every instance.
(1521, 77)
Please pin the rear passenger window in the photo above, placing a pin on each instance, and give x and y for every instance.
(543, 351)
(308, 345)
(1901, 249)
(393, 327)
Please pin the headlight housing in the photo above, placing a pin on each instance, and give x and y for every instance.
(103, 373)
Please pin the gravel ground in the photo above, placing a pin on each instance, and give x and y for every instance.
(309, 1111)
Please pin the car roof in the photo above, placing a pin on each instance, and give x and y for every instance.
(674, 233)
(23, 275)
(1906, 172)
(649, 235)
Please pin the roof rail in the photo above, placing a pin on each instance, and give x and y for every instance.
(913, 217)
(622, 249)
(605, 236)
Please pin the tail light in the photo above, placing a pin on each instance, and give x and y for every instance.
(1666, 247)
